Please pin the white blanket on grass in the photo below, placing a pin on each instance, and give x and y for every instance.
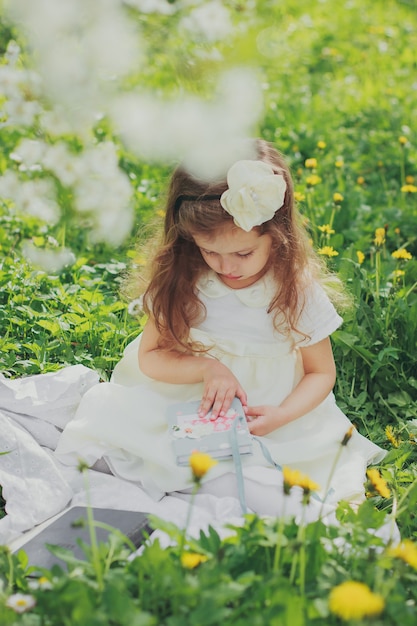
(37, 487)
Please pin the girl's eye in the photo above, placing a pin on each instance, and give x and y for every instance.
(242, 256)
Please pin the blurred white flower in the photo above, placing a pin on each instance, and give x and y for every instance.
(65, 165)
(37, 198)
(20, 602)
(152, 6)
(206, 135)
(10, 81)
(209, 22)
(12, 52)
(21, 112)
(81, 48)
(47, 259)
(29, 152)
(135, 307)
(55, 122)
(9, 184)
(102, 159)
(113, 225)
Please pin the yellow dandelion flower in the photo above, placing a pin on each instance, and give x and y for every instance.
(313, 180)
(409, 179)
(160, 213)
(361, 256)
(406, 551)
(327, 251)
(402, 140)
(327, 229)
(339, 163)
(391, 436)
(311, 163)
(377, 484)
(398, 274)
(337, 197)
(299, 196)
(294, 478)
(409, 189)
(402, 255)
(353, 600)
(379, 239)
(360, 180)
(200, 463)
(397, 230)
(321, 145)
(190, 560)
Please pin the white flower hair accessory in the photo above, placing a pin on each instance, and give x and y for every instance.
(255, 193)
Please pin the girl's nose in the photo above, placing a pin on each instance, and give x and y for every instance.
(227, 266)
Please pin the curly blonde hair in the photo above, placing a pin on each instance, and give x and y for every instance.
(193, 207)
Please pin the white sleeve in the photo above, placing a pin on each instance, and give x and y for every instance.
(318, 317)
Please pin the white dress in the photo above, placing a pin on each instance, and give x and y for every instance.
(124, 421)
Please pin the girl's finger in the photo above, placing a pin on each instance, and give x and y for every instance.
(206, 404)
(242, 397)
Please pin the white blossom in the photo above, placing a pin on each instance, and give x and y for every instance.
(135, 307)
(47, 259)
(12, 52)
(20, 602)
(113, 225)
(61, 162)
(82, 46)
(152, 6)
(206, 135)
(21, 112)
(9, 184)
(209, 22)
(55, 121)
(29, 152)
(37, 198)
(10, 81)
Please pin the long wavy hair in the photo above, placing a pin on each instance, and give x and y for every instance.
(193, 207)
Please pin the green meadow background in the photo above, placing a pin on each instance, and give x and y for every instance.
(339, 85)
(339, 89)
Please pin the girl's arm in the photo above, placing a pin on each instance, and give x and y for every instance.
(174, 366)
(316, 384)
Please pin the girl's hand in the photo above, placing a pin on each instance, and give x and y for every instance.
(220, 387)
(265, 419)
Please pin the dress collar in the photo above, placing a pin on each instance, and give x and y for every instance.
(257, 295)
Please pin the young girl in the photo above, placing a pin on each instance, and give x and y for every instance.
(235, 309)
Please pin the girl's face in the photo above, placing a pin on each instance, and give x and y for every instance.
(239, 258)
